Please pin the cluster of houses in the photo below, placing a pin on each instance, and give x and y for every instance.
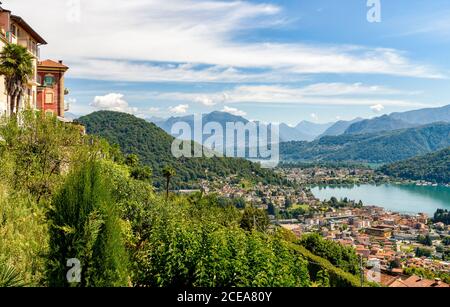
(45, 89)
(260, 195)
(381, 236)
(324, 175)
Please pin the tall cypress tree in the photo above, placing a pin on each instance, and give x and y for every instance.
(85, 225)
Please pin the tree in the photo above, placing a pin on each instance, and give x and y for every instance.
(16, 65)
(255, 219)
(446, 241)
(423, 252)
(85, 225)
(9, 277)
(142, 173)
(425, 240)
(132, 160)
(168, 173)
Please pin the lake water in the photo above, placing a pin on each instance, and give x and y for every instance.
(393, 197)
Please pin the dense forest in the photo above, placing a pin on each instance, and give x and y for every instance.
(434, 167)
(69, 201)
(153, 147)
(383, 147)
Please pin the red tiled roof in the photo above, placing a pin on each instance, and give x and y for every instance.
(417, 282)
(52, 64)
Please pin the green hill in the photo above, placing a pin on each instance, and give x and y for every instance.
(383, 123)
(434, 167)
(383, 147)
(153, 146)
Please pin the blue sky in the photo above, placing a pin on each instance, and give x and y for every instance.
(278, 61)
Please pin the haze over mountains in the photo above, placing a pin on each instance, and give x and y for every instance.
(304, 131)
(396, 121)
(309, 131)
(153, 147)
(384, 144)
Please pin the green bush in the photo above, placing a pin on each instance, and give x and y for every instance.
(85, 224)
(201, 244)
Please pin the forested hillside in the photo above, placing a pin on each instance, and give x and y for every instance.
(153, 146)
(64, 195)
(384, 147)
(434, 167)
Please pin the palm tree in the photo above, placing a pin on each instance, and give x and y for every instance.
(16, 65)
(168, 173)
(9, 277)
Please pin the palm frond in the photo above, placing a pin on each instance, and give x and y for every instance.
(9, 277)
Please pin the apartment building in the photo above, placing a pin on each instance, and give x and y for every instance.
(51, 89)
(15, 30)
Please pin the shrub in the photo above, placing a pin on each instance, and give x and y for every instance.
(84, 224)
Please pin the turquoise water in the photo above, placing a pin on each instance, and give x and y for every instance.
(393, 197)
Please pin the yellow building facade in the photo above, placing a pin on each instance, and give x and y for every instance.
(15, 30)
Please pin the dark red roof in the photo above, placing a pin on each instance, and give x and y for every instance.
(52, 64)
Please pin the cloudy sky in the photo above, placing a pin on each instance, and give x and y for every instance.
(271, 60)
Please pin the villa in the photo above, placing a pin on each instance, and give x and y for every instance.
(45, 89)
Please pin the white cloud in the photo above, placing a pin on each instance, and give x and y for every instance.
(314, 116)
(153, 110)
(377, 108)
(316, 94)
(193, 31)
(179, 109)
(206, 101)
(112, 102)
(234, 111)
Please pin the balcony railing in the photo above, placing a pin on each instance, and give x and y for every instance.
(33, 48)
(11, 38)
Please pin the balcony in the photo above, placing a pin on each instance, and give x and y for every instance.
(11, 38)
(31, 47)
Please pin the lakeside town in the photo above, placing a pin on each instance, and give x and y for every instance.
(396, 244)
(343, 174)
(394, 247)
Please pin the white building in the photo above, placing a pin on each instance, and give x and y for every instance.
(15, 30)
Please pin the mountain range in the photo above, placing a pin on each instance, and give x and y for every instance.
(380, 147)
(340, 127)
(396, 121)
(153, 147)
(304, 131)
(309, 131)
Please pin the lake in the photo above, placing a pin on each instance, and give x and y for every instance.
(393, 197)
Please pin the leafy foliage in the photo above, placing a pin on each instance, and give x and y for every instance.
(84, 224)
(95, 207)
(383, 147)
(200, 243)
(16, 65)
(434, 167)
(339, 255)
(9, 277)
(442, 215)
(37, 151)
